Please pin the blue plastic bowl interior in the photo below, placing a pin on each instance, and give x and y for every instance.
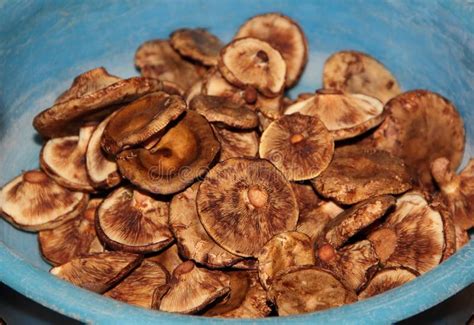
(44, 44)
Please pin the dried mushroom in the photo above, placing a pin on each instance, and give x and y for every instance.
(140, 120)
(192, 289)
(193, 241)
(462, 237)
(449, 227)
(237, 143)
(283, 251)
(345, 115)
(214, 84)
(298, 145)
(192, 92)
(358, 72)
(183, 154)
(387, 279)
(132, 221)
(98, 272)
(246, 198)
(283, 34)
(33, 201)
(308, 289)
(357, 173)
(412, 236)
(249, 62)
(168, 258)
(197, 44)
(141, 284)
(421, 126)
(64, 160)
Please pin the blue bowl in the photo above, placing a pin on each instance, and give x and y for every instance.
(44, 44)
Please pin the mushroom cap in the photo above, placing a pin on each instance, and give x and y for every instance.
(183, 154)
(139, 286)
(192, 92)
(97, 272)
(251, 62)
(169, 258)
(64, 160)
(421, 126)
(356, 173)
(33, 201)
(193, 241)
(307, 289)
(197, 44)
(283, 34)
(462, 237)
(140, 120)
(298, 145)
(438, 204)
(65, 118)
(246, 198)
(237, 144)
(193, 288)
(387, 279)
(358, 72)
(132, 221)
(345, 115)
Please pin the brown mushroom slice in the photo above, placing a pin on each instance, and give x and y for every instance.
(193, 241)
(358, 72)
(285, 35)
(307, 289)
(64, 160)
(345, 115)
(298, 145)
(71, 239)
(192, 289)
(412, 236)
(357, 173)
(387, 279)
(251, 62)
(183, 154)
(224, 111)
(282, 252)
(237, 144)
(33, 202)
(246, 198)
(421, 126)
(169, 258)
(97, 272)
(140, 120)
(65, 118)
(157, 59)
(139, 286)
(132, 221)
(197, 44)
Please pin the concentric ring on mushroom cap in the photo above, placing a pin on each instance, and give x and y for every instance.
(246, 198)
(183, 154)
(197, 44)
(345, 115)
(421, 126)
(359, 73)
(298, 145)
(132, 221)
(387, 279)
(33, 201)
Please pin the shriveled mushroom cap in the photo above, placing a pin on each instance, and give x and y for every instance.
(140, 120)
(237, 144)
(356, 174)
(33, 201)
(182, 154)
(192, 239)
(197, 44)
(139, 286)
(345, 115)
(283, 34)
(251, 62)
(412, 236)
(65, 118)
(193, 288)
(359, 73)
(98, 272)
(168, 258)
(246, 198)
(307, 289)
(421, 126)
(64, 160)
(133, 221)
(387, 279)
(298, 145)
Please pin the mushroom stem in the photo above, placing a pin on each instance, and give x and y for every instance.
(326, 253)
(183, 268)
(257, 197)
(296, 138)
